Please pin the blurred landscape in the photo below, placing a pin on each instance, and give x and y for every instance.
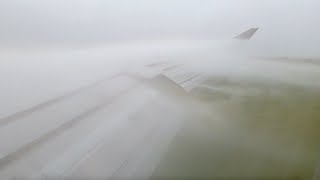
(68, 109)
(254, 129)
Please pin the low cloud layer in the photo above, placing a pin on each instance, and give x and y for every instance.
(283, 23)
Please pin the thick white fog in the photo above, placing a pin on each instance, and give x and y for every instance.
(97, 89)
(287, 26)
(50, 47)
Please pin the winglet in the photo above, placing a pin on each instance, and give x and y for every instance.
(247, 34)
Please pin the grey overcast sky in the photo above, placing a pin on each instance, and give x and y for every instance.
(282, 21)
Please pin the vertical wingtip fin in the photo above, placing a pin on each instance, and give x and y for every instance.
(247, 34)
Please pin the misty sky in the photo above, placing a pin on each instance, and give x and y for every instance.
(283, 22)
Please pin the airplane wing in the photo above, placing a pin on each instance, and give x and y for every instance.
(247, 34)
(121, 126)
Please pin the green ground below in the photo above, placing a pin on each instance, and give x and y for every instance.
(247, 130)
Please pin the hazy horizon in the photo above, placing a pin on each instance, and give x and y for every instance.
(289, 26)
